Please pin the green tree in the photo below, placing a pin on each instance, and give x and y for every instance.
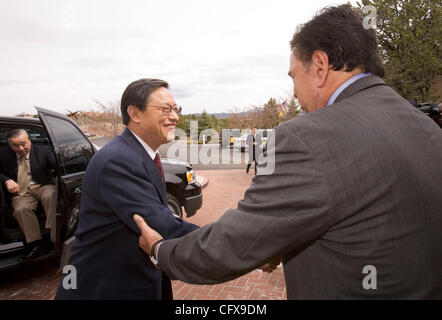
(270, 113)
(184, 123)
(204, 122)
(409, 34)
(293, 109)
(223, 123)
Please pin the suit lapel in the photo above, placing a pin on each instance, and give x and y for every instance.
(148, 163)
(33, 158)
(13, 162)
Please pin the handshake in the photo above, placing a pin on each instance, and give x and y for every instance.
(149, 239)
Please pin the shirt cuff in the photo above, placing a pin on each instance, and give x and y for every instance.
(158, 250)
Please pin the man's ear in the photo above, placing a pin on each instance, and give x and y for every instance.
(320, 67)
(133, 113)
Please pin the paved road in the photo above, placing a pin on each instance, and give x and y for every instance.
(225, 189)
(202, 157)
(205, 157)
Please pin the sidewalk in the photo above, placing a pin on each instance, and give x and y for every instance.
(256, 285)
(226, 188)
(203, 181)
(40, 281)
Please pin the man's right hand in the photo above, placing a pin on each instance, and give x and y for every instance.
(148, 235)
(12, 186)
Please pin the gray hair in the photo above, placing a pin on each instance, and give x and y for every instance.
(14, 133)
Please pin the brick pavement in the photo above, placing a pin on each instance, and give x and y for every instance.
(256, 285)
(37, 281)
(226, 187)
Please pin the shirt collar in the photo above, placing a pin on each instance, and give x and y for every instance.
(146, 147)
(19, 156)
(345, 85)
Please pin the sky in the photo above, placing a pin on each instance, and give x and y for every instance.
(217, 56)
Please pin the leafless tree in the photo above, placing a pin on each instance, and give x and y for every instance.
(110, 123)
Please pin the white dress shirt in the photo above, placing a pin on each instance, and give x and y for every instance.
(146, 147)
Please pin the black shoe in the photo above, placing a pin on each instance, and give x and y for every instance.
(247, 170)
(37, 251)
(46, 242)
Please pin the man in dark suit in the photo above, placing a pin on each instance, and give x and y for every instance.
(254, 142)
(124, 177)
(352, 205)
(25, 171)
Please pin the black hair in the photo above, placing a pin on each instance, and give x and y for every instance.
(339, 32)
(137, 93)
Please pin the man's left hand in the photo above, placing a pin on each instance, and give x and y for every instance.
(148, 235)
(271, 265)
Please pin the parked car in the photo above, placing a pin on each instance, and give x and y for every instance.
(73, 150)
(241, 142)
(265, 135)
(182, 188)
(227, 137)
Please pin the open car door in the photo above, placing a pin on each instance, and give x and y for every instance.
(73, 150)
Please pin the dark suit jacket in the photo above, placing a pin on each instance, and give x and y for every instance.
(120, 180)
(41, 160)
(254, 151)
(356, 183)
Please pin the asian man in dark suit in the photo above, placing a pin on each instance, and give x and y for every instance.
(353, 205)
(25, 169)
(124, 177)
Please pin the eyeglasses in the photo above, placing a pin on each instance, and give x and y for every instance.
(18, 145)
(168, 109)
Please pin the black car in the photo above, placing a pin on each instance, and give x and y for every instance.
(182, 188)
(73, 150)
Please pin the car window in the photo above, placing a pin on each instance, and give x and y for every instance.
(235, 133)
(37, 135)
(73, 149)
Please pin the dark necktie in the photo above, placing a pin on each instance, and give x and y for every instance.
(159, 166)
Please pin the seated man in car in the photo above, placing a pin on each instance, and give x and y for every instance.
(25, 171)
